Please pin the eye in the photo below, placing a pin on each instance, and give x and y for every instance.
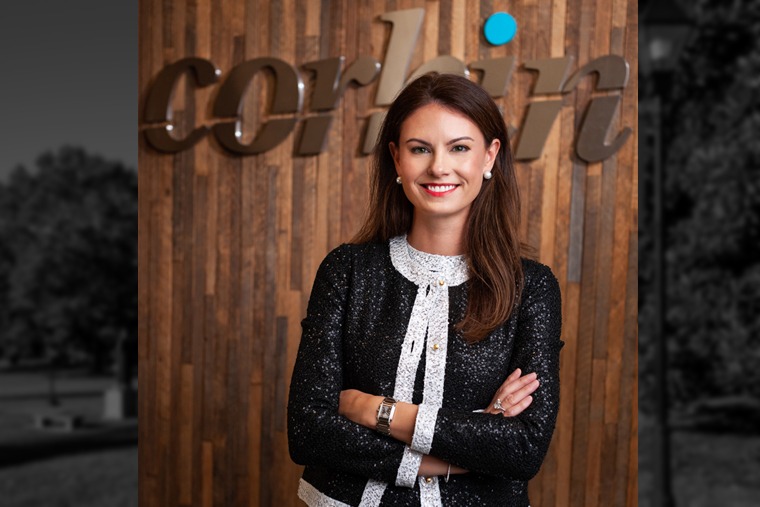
(460, 148)
(419, 149)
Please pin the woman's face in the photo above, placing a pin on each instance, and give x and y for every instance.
(441, 159)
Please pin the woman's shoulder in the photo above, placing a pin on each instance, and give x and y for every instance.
(357, 254)
(536, 274)
(533, 266)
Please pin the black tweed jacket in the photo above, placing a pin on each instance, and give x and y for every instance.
(353, 338)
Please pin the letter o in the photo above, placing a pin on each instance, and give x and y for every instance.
(288, 98)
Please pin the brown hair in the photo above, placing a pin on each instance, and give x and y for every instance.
(492, 244)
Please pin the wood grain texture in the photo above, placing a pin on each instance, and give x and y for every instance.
(229, 246)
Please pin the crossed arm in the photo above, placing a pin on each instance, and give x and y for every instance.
(325, 424)
(362, 409)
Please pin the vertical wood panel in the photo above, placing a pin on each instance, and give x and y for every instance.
(208, 474)
(185, 434)
(229, 245)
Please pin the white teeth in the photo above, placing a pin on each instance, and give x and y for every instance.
(444, 188)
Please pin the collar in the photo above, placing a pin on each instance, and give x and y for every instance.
(424, 268)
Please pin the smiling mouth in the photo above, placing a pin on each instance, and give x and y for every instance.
(439, 190)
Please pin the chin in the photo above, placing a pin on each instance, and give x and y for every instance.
(440, 212)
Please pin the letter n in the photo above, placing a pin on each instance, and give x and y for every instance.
(613, 74)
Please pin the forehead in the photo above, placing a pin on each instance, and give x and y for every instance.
(434, 121)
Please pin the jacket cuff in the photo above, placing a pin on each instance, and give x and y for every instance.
(424, 428)
(410, 466)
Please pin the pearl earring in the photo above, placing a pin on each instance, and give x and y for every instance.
(487, 175)
(398, 180)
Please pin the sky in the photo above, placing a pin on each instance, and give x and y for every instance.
(69, 72)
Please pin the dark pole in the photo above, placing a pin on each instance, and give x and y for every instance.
(662, 473)
(666, 21)
(51, 384)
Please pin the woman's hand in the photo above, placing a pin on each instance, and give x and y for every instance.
(514, 394)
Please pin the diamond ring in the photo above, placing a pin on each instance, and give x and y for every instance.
(498, 406)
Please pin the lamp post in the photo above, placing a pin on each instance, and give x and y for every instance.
(665, 30)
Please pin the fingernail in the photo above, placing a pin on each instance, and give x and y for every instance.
(533, 375)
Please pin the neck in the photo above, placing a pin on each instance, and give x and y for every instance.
(438, 235)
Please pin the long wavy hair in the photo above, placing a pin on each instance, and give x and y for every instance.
(492, 243)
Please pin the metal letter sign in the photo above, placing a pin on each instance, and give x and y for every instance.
(496, 74)
(330, 82)
(613, 74)
(158, 106)
(288, 98)
(328, 90)
(406, 28)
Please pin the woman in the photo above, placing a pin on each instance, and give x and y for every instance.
(427, 317)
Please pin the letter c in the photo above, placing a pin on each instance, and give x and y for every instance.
(158, 105)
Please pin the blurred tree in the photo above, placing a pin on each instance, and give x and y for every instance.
(69, 234)
(6, 263)
(713, 208)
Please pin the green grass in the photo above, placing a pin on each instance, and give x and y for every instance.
(97, 479)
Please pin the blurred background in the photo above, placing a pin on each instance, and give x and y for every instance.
(699, 267)
(68, 254)
(68, 242)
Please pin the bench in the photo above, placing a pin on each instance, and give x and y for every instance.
(63, 421)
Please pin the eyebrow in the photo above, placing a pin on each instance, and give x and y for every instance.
(414, 139)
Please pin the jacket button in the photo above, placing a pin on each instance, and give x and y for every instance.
(429, 479)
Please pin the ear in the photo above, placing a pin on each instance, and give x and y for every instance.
(394, 152)
(491, 153)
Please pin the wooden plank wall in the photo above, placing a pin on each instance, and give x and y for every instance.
(228, 245)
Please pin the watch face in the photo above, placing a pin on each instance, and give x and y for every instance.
(385, 411)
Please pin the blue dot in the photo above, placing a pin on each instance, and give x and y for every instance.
(500, 28)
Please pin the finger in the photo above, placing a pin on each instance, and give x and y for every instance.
(512, 383)
(510, 387)
(521, 393)
(491, 409)
(511, 378)
(519, 407)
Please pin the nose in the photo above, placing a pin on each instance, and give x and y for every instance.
(438, 164)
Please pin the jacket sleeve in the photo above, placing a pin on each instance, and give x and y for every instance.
(513, 447)
(317, 434)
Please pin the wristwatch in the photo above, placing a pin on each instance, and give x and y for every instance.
(385, 415)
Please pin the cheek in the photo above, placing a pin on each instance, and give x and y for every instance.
(475, 171)
(476, 186)
(410, 190)
(403, 164)
(413, 168)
